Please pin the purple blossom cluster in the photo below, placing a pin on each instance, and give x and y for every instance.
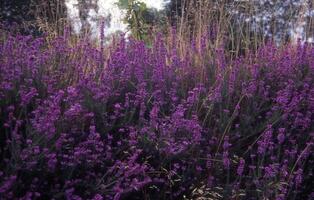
(137, 122)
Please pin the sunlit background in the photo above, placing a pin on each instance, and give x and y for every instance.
(106, 9)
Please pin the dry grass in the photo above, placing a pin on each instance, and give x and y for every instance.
(236, 35)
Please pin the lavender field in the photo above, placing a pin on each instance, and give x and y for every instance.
(164, 121)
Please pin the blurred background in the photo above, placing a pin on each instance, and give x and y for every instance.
(239, 23)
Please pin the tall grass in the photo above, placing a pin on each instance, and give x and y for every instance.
(183, 118)
(148, 123)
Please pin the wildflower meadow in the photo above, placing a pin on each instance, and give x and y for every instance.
(130, 120)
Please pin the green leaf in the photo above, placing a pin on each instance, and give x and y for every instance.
(123, 4)
(136, 8)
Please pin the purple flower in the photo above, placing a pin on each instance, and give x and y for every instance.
(240, 168)
(298, 177)
(97, 197)
(226, 160)
(281, 136)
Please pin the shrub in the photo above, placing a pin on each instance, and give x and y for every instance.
(153, 123)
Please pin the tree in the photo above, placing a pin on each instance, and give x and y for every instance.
(274, 19)
(84, 6)
(31, 15)
(140, 18)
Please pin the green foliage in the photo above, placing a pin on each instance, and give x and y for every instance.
(123, 4)
(139, 18)
(134, 17)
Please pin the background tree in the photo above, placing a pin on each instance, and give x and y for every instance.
(140, 18)
(84, 6)
(242, 25)
(31, 16)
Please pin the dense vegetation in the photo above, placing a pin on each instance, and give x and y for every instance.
(177, 116)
